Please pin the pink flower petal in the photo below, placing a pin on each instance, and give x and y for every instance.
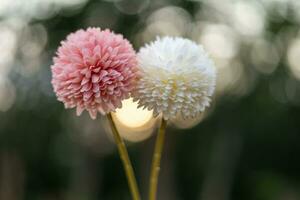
(94, 70)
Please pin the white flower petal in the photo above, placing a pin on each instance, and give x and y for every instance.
(177, 77)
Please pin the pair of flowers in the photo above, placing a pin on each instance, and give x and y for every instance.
(95, 70)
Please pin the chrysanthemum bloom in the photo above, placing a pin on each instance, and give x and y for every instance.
(178, 77)
(94, 70)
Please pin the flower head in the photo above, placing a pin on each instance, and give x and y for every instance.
(94, 70)
(177, 77)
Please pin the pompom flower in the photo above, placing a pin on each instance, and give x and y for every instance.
(177, 77)
(94, 70)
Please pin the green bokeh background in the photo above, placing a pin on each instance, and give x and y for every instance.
(246, 148)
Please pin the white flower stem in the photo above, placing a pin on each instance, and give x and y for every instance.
(155, 168)
(125, 159)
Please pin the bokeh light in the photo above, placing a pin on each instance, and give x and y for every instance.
(248, 18)
(36, 8)
(7, 94)
(182, 123)
(131, 116)
(135, 124)
(8, 45)
(265, 56)
(219, 40)
(294, 58)
(131, 7)
(169, 20)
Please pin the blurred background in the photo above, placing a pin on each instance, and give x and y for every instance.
(246, 146)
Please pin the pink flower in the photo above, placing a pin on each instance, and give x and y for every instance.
(94, 70)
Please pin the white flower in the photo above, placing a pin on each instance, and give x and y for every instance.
(177, 77)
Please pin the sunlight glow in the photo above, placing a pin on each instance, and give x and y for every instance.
(131, 116)
(134, 124)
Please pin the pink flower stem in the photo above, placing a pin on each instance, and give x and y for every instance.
(155, 168)
(125, 159)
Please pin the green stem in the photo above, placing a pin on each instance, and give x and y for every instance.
(155, 168)
(125, 159)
